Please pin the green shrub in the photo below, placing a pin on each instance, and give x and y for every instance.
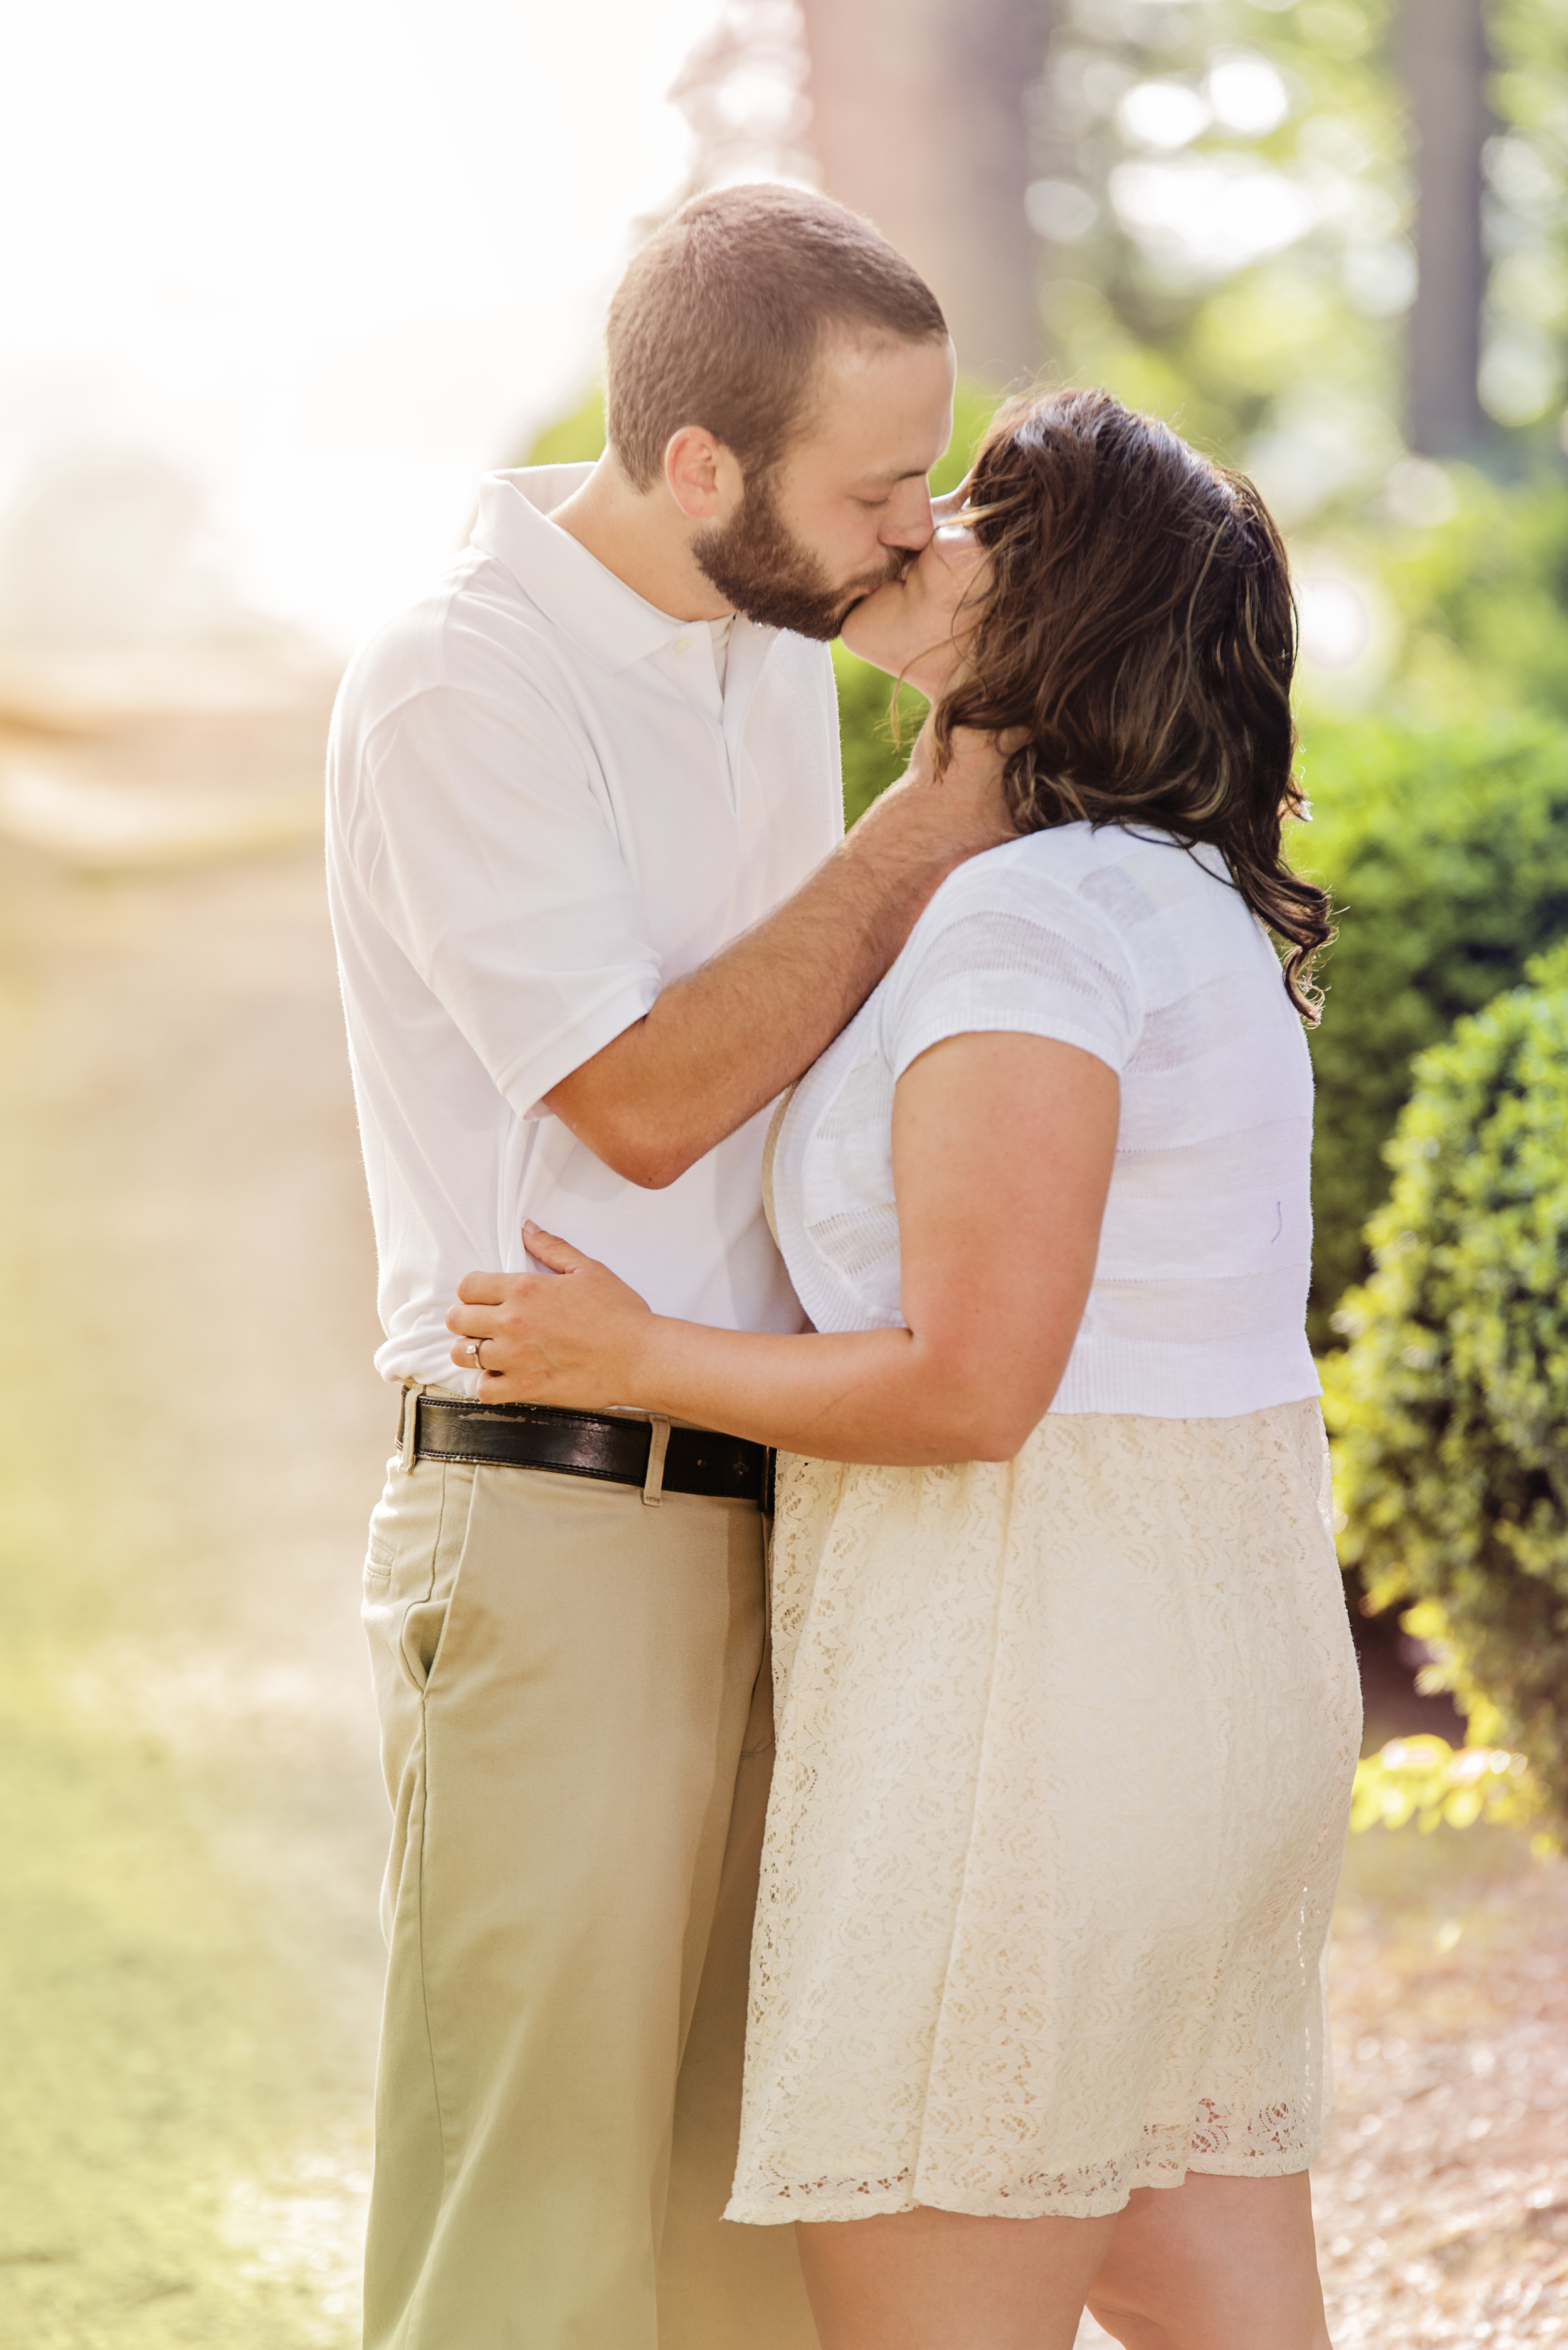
(1450, 1407)
(1448, 854)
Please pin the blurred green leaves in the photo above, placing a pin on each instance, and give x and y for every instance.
(1433, 1784)
(1238, 253)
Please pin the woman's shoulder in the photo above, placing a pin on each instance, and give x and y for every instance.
(1141, 908)
(1035, 861)
(1108, 867)
(1013, 939)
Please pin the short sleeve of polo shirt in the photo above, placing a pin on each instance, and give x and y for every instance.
(494, 866)
(1005, 948)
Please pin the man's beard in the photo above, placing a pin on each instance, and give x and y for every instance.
(755, 561)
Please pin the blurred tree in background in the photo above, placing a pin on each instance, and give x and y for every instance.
(918, 118)
(1443, 60)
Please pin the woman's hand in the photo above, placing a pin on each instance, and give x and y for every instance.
(576, 1339)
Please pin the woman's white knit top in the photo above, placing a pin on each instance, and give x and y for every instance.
(1142, 954)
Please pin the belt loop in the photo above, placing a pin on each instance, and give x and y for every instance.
(657, 1446)
(408, 1425)
(770, 1479)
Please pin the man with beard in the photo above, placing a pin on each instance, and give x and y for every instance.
(592, 920)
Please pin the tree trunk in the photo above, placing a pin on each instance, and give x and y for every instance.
(918, 120)
(1444, 55)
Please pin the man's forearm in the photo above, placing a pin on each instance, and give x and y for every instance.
(723, 1041)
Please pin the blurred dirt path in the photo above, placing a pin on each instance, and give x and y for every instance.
(1442, 2198)
(190, 1436)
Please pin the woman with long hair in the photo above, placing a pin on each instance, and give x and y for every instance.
(1066, 1703)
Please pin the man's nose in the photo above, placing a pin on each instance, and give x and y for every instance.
(909, 521)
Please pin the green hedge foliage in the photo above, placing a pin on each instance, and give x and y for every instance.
(1449, 1407)
(1447, 852)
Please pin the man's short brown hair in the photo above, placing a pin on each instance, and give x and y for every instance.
(721, 317)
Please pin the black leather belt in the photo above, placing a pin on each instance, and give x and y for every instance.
(589, 1444)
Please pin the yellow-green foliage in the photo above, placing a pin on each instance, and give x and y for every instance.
(876, 742)
(574, 439)
(1437, 1785)
(1450, 1407)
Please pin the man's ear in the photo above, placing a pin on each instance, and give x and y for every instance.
(702, 477)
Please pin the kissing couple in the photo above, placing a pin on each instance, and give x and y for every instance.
(958, 1167)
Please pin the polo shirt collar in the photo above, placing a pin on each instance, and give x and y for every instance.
(599, 612)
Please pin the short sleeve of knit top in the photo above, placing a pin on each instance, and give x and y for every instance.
(1141, 953)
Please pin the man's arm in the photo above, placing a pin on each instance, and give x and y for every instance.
(721, 1043)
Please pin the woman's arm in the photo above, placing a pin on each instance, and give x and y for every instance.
(1003, 1148)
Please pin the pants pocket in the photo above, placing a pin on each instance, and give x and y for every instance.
(420, 1639)
(759, 1732)
(416, 1536)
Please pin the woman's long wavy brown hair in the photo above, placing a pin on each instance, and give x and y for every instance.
(1136, 623)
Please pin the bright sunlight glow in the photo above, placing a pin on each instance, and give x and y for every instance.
(329, 260)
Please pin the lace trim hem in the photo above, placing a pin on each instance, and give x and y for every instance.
(1090, 2192)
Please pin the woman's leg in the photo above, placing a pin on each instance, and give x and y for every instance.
(1214, 2264)
(943, 2280)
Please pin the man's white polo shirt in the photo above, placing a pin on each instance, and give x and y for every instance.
(541, 810)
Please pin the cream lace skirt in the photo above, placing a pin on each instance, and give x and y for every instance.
(1064, 1752)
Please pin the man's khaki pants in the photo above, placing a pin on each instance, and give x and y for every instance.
(577, 1736)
